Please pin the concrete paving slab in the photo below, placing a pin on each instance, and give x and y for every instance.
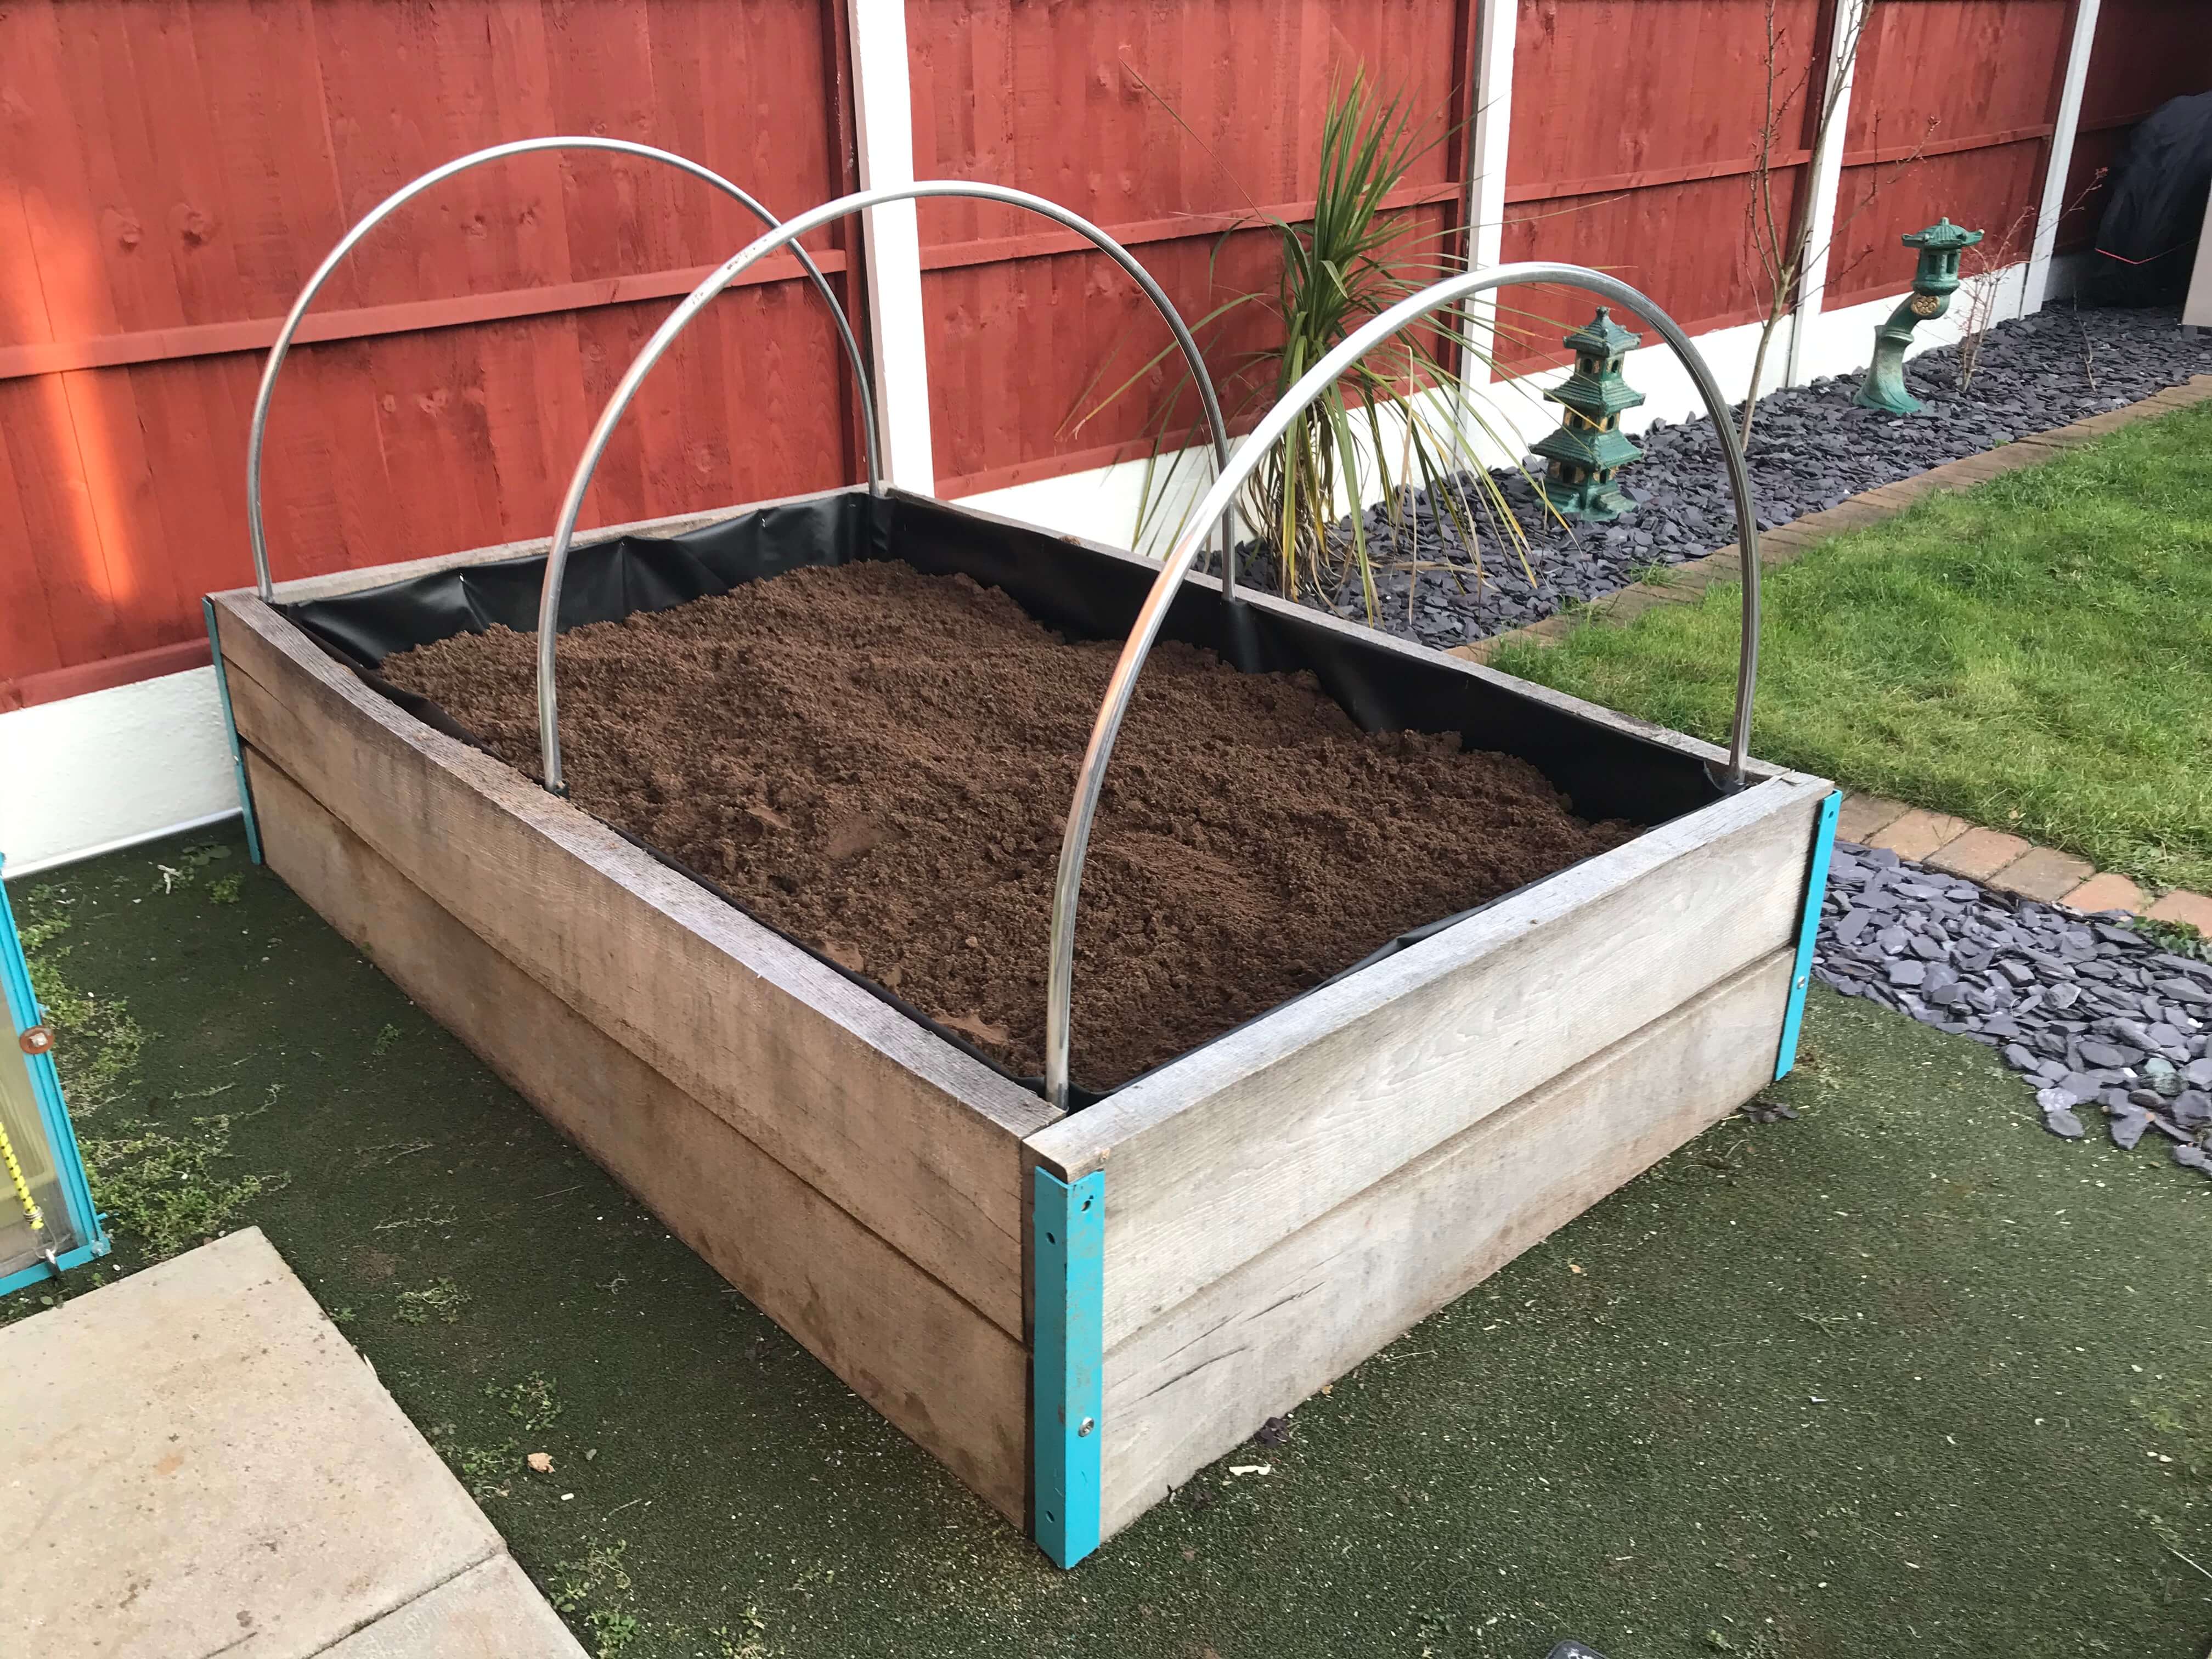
(1865, 816)
(2105, 891)
(1979, 853)
(2044, 874)
(2182, 905)
(490, 1611)
(1919, 833)
(197, 1462)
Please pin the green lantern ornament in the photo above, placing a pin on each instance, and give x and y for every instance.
(1934, 282)
(1588, 449)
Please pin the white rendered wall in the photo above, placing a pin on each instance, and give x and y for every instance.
(90, 774)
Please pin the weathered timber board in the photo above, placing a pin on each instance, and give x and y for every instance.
(1216, 1155)
(917, 1141)
(1198, 1379)
(927, 1360)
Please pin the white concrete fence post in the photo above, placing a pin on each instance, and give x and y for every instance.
(884, 121)
(1824, 181)
(1489, 128)
(2067, 122)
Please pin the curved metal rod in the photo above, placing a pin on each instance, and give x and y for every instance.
(392, 203)
(1076, 840)
(557, 559)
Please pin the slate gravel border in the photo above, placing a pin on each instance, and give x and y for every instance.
(1812, 448)
(2088, 1010)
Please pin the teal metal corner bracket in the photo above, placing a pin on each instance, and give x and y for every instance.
(230, 731)
(1067, 1363)
(1808, 930)
(39, 1273)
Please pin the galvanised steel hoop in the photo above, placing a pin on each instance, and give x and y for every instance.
(557, 559)
(1076, 840)
(398, 198)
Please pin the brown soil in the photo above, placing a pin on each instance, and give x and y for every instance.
(877, 763)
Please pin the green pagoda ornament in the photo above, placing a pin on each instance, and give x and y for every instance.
(1934, 282)
(1588, 448)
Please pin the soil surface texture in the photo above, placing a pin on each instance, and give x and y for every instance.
(878, 763)
(1811, 449)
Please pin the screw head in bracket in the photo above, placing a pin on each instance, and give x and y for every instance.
(38, 1040)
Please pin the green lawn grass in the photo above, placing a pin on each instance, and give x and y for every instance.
(2035, 654)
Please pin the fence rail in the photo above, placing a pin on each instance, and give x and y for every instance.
(173, 174)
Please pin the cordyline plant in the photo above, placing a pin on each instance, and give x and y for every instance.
(1356, 257)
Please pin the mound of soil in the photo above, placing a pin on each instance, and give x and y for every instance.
(879, 762)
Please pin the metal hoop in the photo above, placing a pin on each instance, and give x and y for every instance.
(390, 203)
(557, 559)
(1091, 779)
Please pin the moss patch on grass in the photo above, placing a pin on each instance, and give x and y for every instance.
(1896, 1378)
(2033, 654)
(169, 1187)
(162, 1171)
(96, 1033)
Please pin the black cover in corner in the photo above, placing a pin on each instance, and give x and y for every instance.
(2154, 208)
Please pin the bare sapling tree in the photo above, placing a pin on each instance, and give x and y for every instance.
(1782, 241)
(1986, 266)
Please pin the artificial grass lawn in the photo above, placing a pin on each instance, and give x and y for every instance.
(1907, 1376)
(2033, 654)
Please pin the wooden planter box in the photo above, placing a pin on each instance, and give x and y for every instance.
(1263, 1213)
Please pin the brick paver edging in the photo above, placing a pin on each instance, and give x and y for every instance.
(1990, 856)
(2007, 862)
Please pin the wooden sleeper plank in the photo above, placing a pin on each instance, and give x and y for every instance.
(913, 1139)
(1199, 1378)
(941, 1372)
(1294, 1113)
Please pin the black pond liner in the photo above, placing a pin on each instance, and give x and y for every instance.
(1075, 590)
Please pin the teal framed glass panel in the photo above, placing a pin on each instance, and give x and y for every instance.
(47, 1222)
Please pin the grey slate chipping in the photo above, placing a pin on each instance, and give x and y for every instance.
(2090, 1012)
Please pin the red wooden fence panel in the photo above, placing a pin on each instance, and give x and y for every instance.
(1636, 134)
(2146, 52)
(170, 175)
(1952, 108)
(1163, 124)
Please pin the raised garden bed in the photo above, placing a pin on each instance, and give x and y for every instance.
(1268, 1206)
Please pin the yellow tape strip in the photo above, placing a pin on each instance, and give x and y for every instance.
(22, 1187)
